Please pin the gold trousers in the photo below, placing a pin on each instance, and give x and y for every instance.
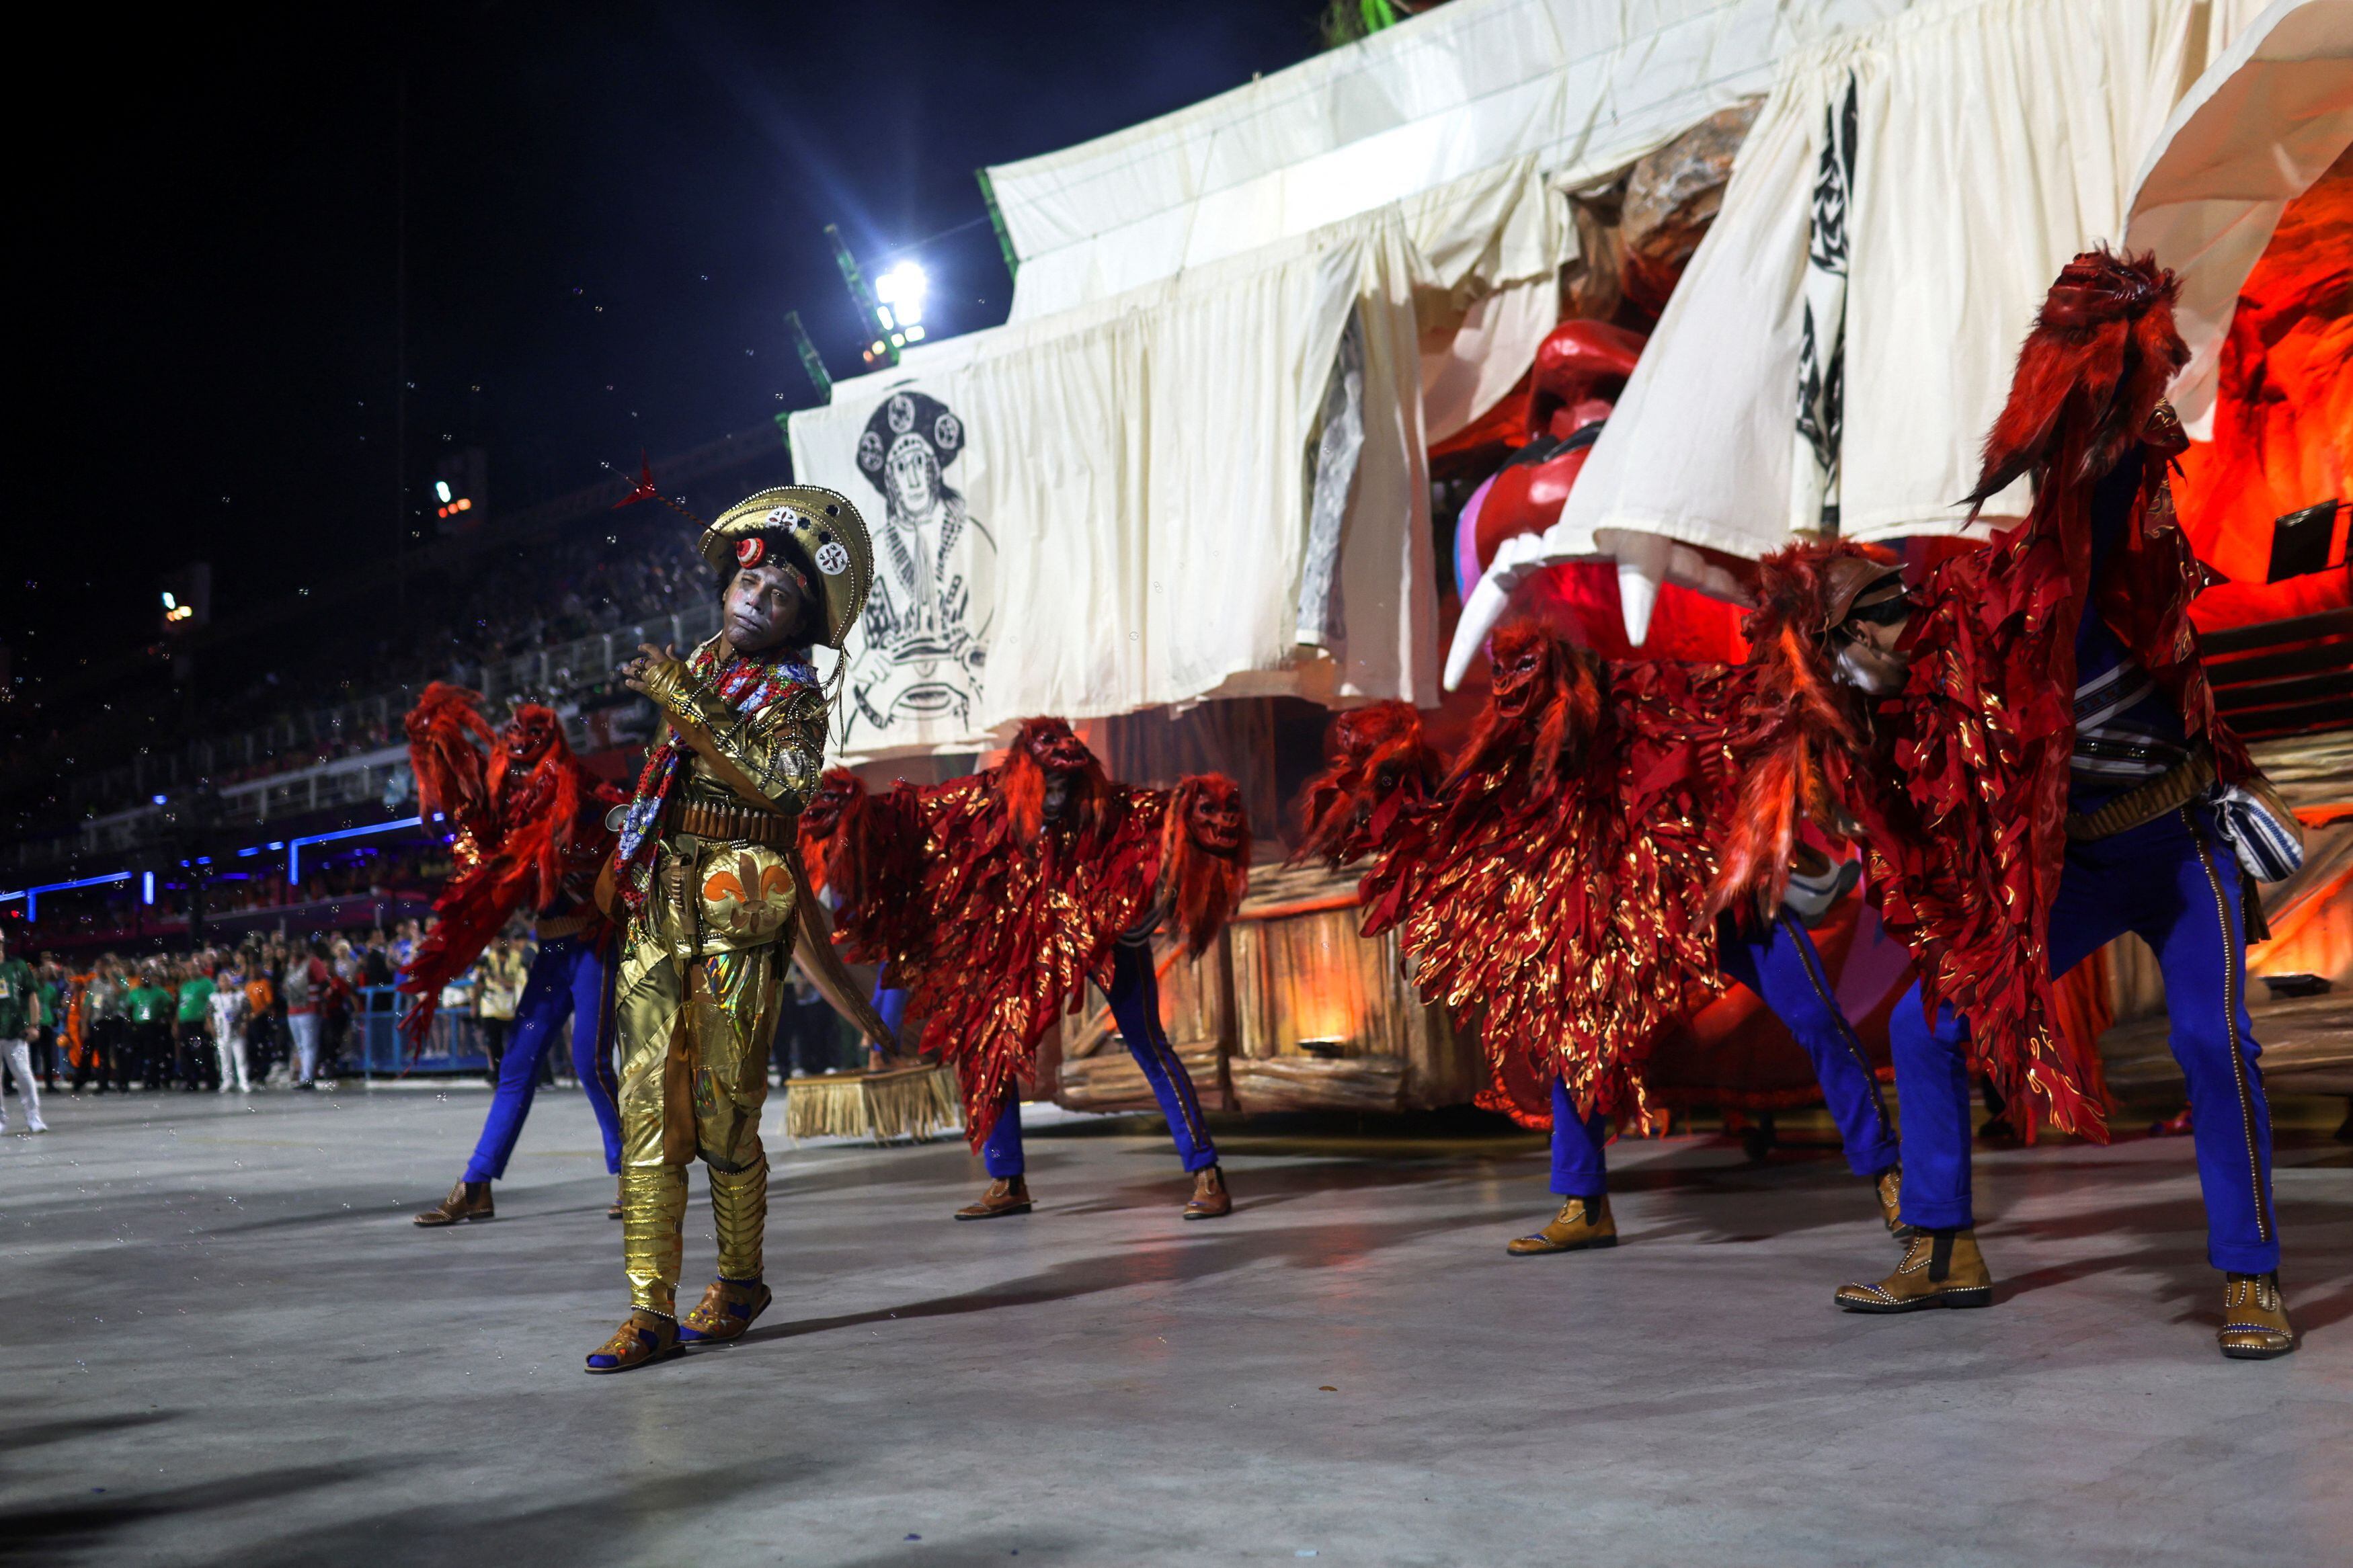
(695, 1032)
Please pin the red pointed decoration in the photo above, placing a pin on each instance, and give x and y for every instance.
(645, 490)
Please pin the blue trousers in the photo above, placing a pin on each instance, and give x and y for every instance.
(1782, 967)
(891, 1005)
(568, 977)
(1135, 997)
(2175, 883)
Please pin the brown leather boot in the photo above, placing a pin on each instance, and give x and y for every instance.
(467, 1201)
(1008, 1194)
(2254, 1318)
(725, 1310)
(1209, 1200)
(1940, 1268)
(1581, 1226)
(1888, 1186)
(648, 1336)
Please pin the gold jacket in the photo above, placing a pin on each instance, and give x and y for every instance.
(714, 894)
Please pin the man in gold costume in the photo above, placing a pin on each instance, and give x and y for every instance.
(707, 880)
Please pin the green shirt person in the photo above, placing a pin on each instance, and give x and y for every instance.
(20, 1002)
(195, 993)
(147, 1002)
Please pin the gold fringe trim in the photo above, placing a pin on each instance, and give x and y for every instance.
(907, 1102)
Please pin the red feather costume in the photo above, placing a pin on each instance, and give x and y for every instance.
(1957, 787)
(993, 916)
(1378, 770)
(1558, 881)
(530, 833)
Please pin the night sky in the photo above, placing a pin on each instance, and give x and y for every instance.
(610, 207)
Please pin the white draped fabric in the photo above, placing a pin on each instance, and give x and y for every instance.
(1127, 525)
(1996, 139)
(1583, 88)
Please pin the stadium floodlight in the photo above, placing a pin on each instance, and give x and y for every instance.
(903, 288)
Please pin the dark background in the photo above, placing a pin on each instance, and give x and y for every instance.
(609, 209)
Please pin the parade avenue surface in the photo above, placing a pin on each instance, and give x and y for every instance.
(227, 1343)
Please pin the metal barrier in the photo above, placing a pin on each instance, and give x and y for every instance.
(452, 1044)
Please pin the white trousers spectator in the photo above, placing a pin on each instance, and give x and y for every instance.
(229, 1045)
(305, 1029)
(19, 1056)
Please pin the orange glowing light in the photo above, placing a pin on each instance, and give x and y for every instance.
(2284, 415)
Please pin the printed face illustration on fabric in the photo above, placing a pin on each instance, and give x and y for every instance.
(918, 655)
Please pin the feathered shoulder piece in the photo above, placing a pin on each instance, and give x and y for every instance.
(871, 847)
(1205, 841)
(2091, 374)
(1378, 766)
(838, 791)
(443, 729)
(1794, 717)
(2090, 386)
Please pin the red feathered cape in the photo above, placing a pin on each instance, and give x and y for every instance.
(530, 838)
(1568, 903)
(992, 933)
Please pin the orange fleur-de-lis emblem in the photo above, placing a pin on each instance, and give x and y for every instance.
(748, 883)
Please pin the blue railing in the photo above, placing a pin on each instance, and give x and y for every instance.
(453, 1043)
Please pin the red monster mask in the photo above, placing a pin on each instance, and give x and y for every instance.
(1524, 670)
(1205, 856)
(1054, 746)
(1213, 815)
(1544, 692)
(1046, 749)
(1376, 761)
(530, 734)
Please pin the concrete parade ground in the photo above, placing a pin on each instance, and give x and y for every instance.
(226, 1344)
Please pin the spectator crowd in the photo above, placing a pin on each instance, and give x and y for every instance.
(276, 1013)
(219, 1018)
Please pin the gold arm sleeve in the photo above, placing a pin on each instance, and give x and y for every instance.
(771, 758)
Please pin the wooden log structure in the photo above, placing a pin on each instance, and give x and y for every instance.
(1291, 1010)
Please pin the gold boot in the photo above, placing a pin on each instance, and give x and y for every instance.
(1581, 1226)
(1940, 1268)
(653, 1200)
(2254, 1318)
(1888, 1187)
(739, 1217)
(1210, 1200)
(1007, 1196)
